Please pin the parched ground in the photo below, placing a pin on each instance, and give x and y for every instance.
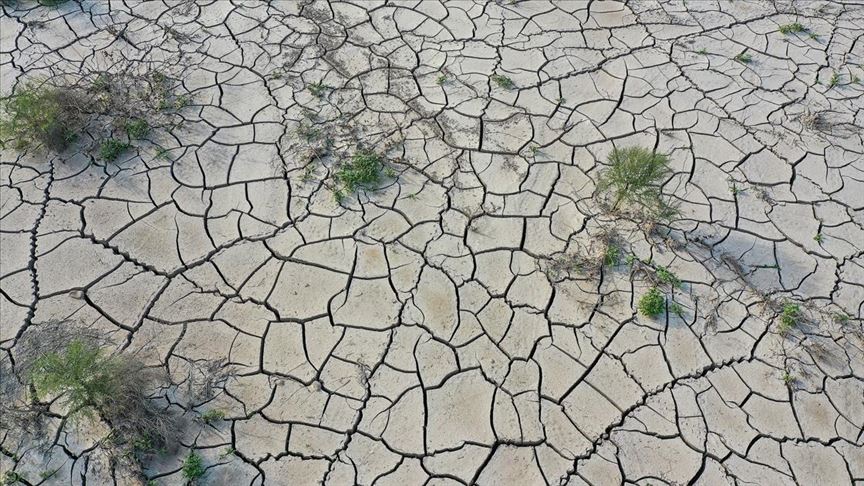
(455, 323)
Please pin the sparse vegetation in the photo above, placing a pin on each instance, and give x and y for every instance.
(788, 379)
(634, 177)
(612, 256)
(675, 308)
(702, 51)
(793, 28)
(41, 115)
(363, 170)
(667, 277)
(744, 57)
(318, 89)
(212, 415)
(137, 128)
(789, 317)
(502, 81)
(71, 368)
(111, 148)
(834, 80)
(441, 79)
(652, 303)
(193, 467)
(12, 477)
(818, 238)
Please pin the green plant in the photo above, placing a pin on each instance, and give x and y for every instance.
(634, 176)
(41, 115)
(362, 171)
(441, 79)
(744, 57)
(318, 89)
(111, 148)
(835, 78)
(137, 128)
(12, 477)
(789, 317)
(667, 277)
(228, 451)
(702, 51)
(792, 28)
(818, 238)
(841, 318)
(652, 303)
(212, 415)
(193, 467)
(502, 81)
(675, 308)
(788, 379)
(612, 255)
(813, 36)
(52, 3)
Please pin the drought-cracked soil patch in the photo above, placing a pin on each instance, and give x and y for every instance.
(364, 242)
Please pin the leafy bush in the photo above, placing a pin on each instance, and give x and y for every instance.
(41, 115)
(652, 303)
(634, 177)
(111, 148)
(193, 467)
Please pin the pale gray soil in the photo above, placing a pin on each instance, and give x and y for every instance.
(454, 324)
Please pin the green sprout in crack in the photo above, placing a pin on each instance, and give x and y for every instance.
(667, 277)
(363, 170)
(193, 467)
(111, 148)
(818, 238)
(441, 79)
(789, 317)
(318, 89)
(137, 128)
(675, 308)
(212, 415)
(788, 379)
(702, 51)
(652, 303)
(612, 256)
(502, 81)
(744, 57)
(834, 80)
(793, 28)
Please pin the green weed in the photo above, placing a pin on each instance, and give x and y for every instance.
(111, 148)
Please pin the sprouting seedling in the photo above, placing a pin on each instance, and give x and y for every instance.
(744, 57)
(502, 81)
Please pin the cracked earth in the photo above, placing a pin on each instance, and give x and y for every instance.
(424, 330)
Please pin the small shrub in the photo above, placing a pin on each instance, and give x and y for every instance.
(193, 467)
(73, 367)
(137, 128)
(362, 171)
(652, 303)
(212, 415)
(744, 57)
(794, 28)
(789, 317)
(46, 116)
(634, 176)
(502, 81)
(111, 148)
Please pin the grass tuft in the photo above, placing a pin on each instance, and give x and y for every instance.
(362, 171)
(137, 128)
(634, 177)
(193, 467)
(111, 148)
(793, 28)
(744, 57)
